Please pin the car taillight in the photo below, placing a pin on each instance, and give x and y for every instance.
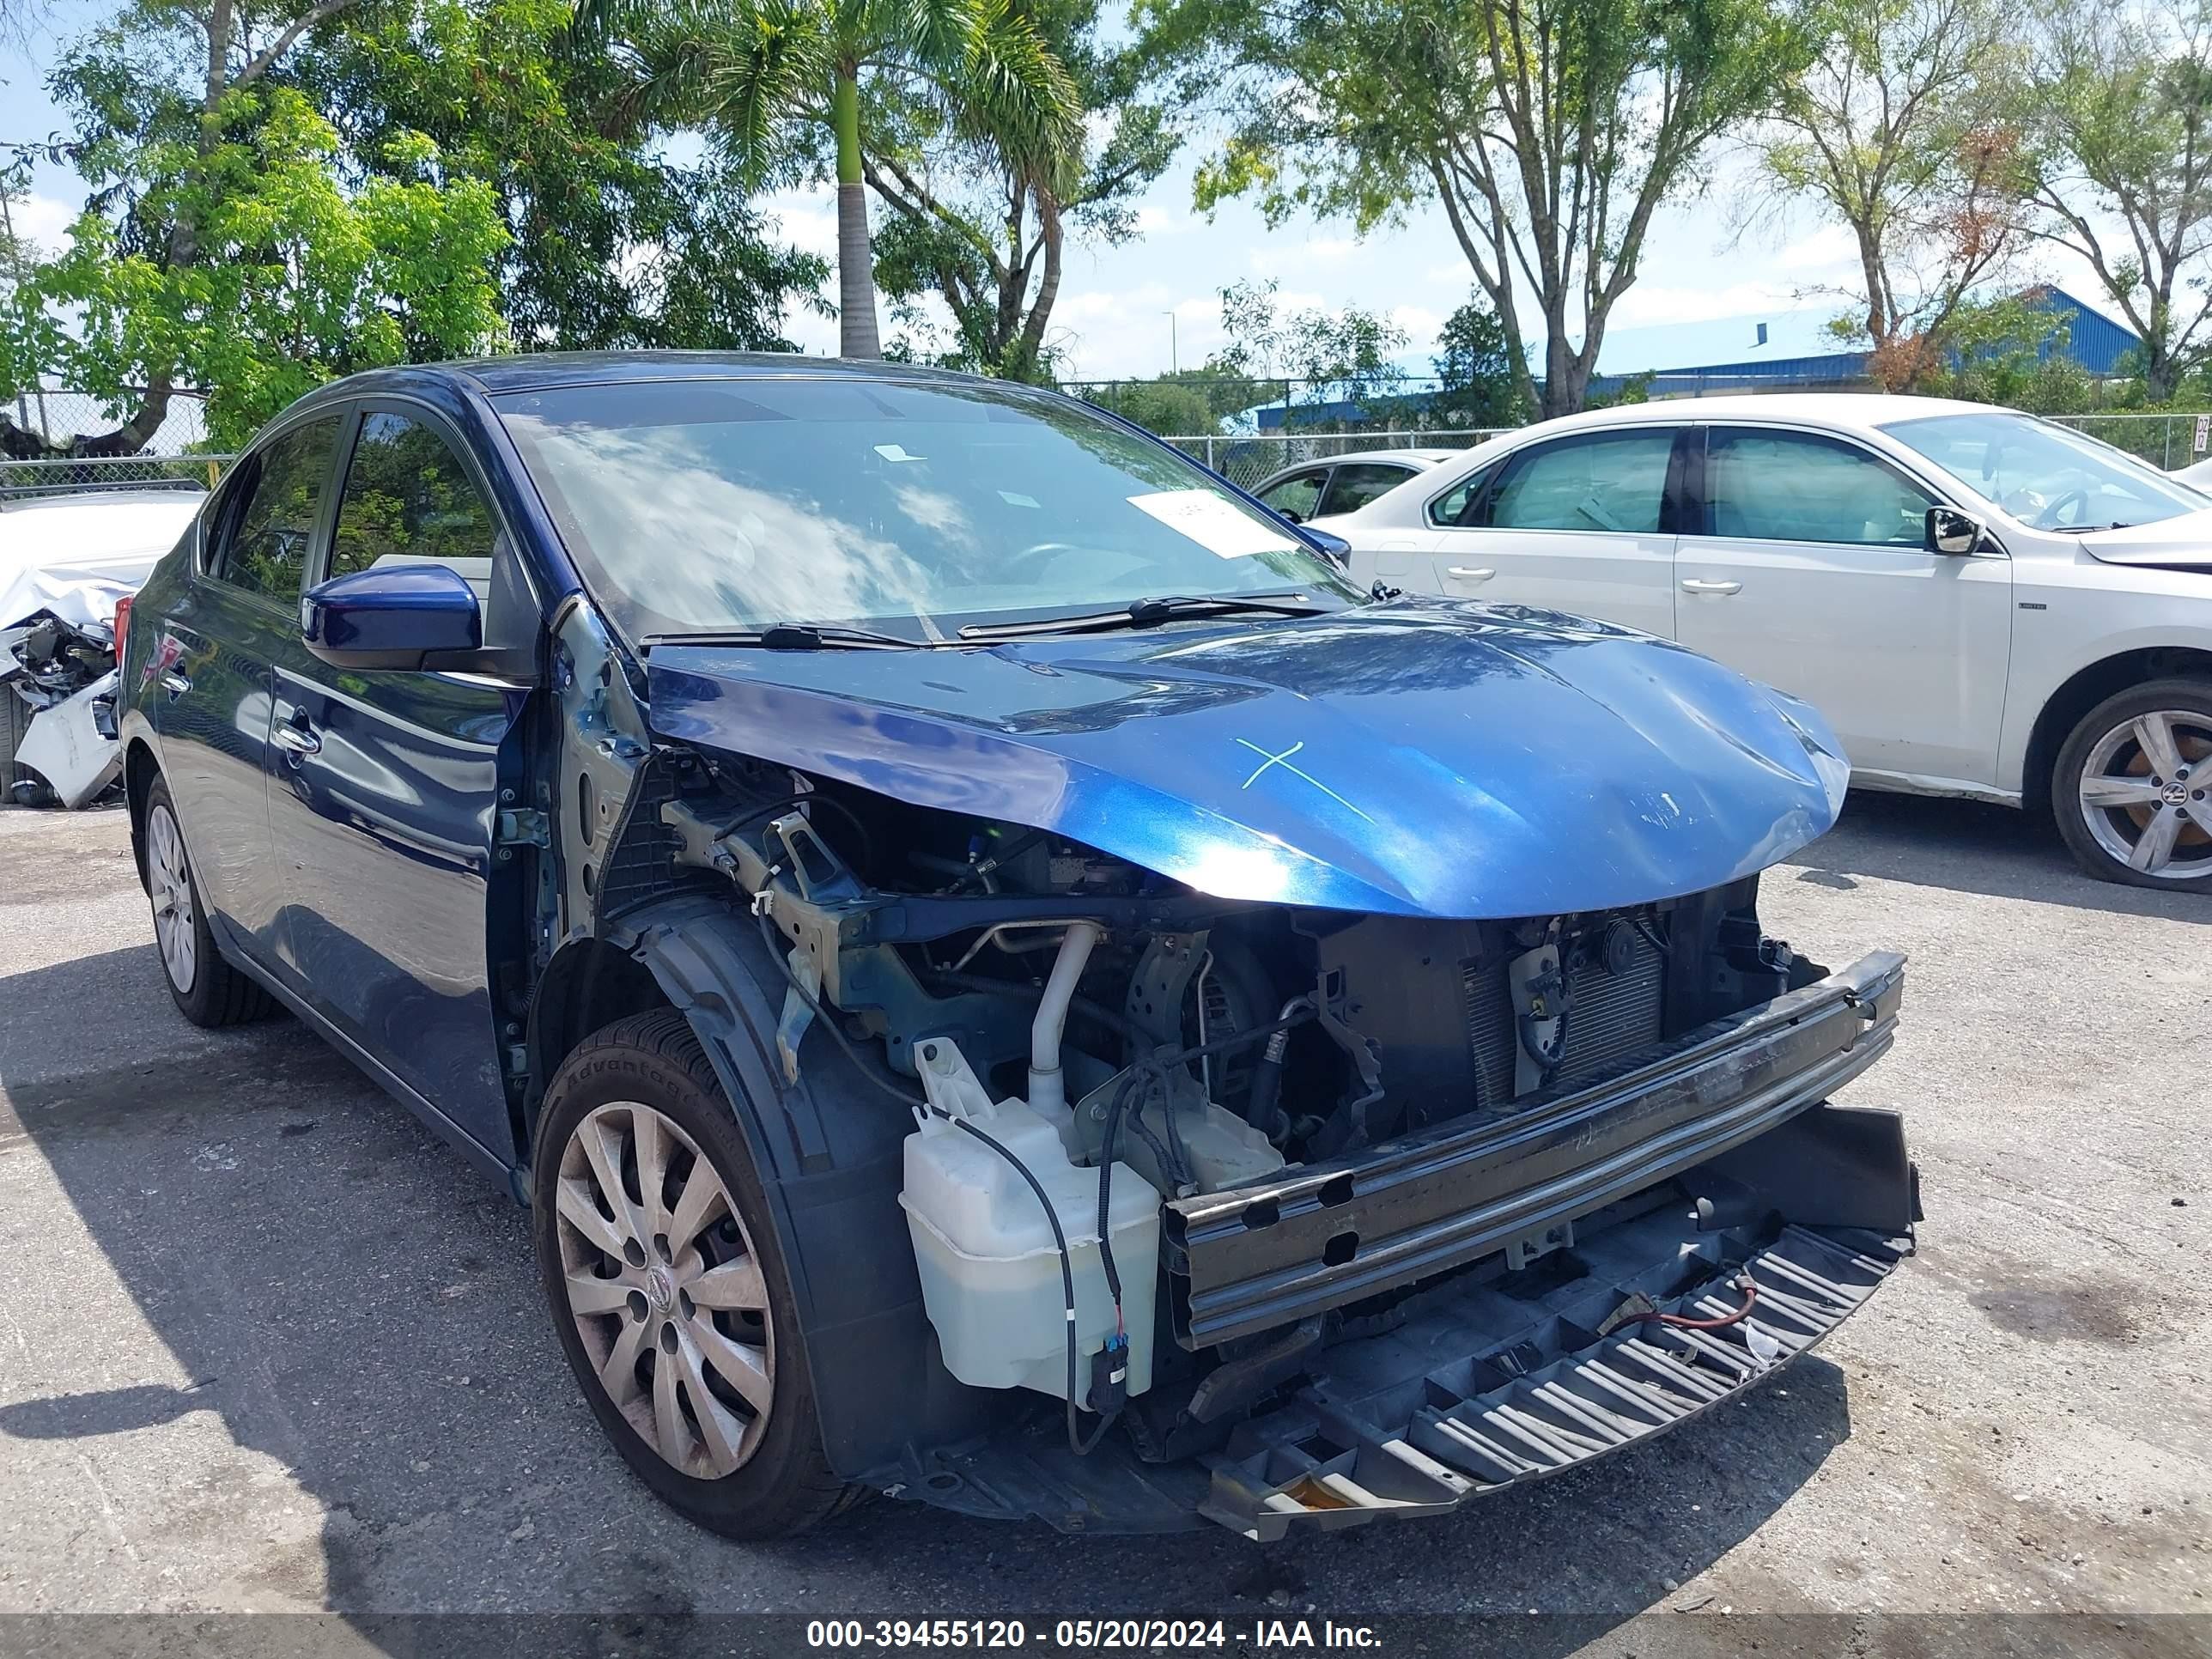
(121, 634)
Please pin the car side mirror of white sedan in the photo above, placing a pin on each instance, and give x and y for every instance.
(1950, 531)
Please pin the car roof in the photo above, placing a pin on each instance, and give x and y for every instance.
(1853, 411)
(541, 371)
(1420, 459)
(186, 498)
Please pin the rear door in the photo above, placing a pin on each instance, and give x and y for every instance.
(1580, 524)
(387, 789)
(1806, 569)
(215, 655)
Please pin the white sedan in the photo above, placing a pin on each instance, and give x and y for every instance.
(1340, 483)
(1983, 604)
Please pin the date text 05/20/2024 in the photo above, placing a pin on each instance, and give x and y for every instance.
(1070, 1635)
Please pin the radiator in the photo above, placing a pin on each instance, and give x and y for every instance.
(1610, 1015)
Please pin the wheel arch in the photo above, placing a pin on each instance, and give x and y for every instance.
(2087, 687)
(140, 768)
(829, 1149)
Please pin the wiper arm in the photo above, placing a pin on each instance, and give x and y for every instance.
(1144, 613)
(795, 636)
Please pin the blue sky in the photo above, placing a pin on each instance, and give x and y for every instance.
(1112, 318)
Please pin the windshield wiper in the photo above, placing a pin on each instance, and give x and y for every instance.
(795, 636)
(1144, 613)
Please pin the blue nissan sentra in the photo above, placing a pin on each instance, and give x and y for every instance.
(1002, 978)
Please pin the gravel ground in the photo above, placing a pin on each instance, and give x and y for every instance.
(265, 1345)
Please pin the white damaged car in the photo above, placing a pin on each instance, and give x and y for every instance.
(67, 561)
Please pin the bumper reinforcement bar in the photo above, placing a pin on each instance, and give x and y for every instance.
(1257, 1258)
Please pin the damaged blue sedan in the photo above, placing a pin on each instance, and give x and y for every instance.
(1001, 977)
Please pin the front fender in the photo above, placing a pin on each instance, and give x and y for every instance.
(829, 1151)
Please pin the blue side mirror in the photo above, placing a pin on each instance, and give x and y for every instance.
(1336, 547)
(392, 616)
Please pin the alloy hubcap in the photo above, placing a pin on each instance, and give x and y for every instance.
(2146, 794)
(664, 1289)
(171, 883)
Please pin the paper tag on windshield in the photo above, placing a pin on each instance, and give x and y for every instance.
(1217, 525)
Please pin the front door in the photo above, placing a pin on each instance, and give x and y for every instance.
(385, 802)
(215, 652)
(1576, 525)
(1809, 573)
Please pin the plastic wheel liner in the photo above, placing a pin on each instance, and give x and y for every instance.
(1517, 1324)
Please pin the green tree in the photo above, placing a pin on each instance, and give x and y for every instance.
(1324, 357)
(1476, 385)
(776, 79)
(1548, 131)
(220, 250)
(1902, 128)
(2123, 162)
(612, 244)
(974, 221)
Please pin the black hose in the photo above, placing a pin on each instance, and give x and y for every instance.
(1120, 1024)
(977, 872)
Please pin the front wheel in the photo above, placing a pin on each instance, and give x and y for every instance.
(667, 1285)
(207, 990)
(2132, 788)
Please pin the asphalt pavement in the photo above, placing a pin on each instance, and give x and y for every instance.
(267, 1346)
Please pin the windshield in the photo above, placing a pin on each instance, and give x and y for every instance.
(2044, 475)
(700, 507)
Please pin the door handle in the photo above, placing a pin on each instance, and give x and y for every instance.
(1694, 586)
(297, 735)
(175, 684)
(1469, 574)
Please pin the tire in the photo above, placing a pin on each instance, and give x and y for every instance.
(207, 990)
(2132, 787)
(750, 1466)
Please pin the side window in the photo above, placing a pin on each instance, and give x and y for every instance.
(1615, 481)
(1458, 504)
(408, 501)
(1298, 496)
(1355, 485)
(266, 551)
(1798, 487)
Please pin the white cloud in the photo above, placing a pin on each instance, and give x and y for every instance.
(806, 218)
(1829, 248)
(1654, 302)
(43, 220)
(1153, 221)
(1420, 325)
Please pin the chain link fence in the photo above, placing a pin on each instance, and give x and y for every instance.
(1248, 460)
(20, 479)
(2171, 441)
(58, 418)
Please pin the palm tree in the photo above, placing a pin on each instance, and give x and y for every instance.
(761, 73)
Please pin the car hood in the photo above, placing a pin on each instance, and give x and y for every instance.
(2179, 544)
(1417, 758)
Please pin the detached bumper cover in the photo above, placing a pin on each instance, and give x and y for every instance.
(1328, 1234)
(1335, 1457)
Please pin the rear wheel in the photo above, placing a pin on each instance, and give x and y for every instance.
(2133, 787)
(207, 990)
(667, 1286)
